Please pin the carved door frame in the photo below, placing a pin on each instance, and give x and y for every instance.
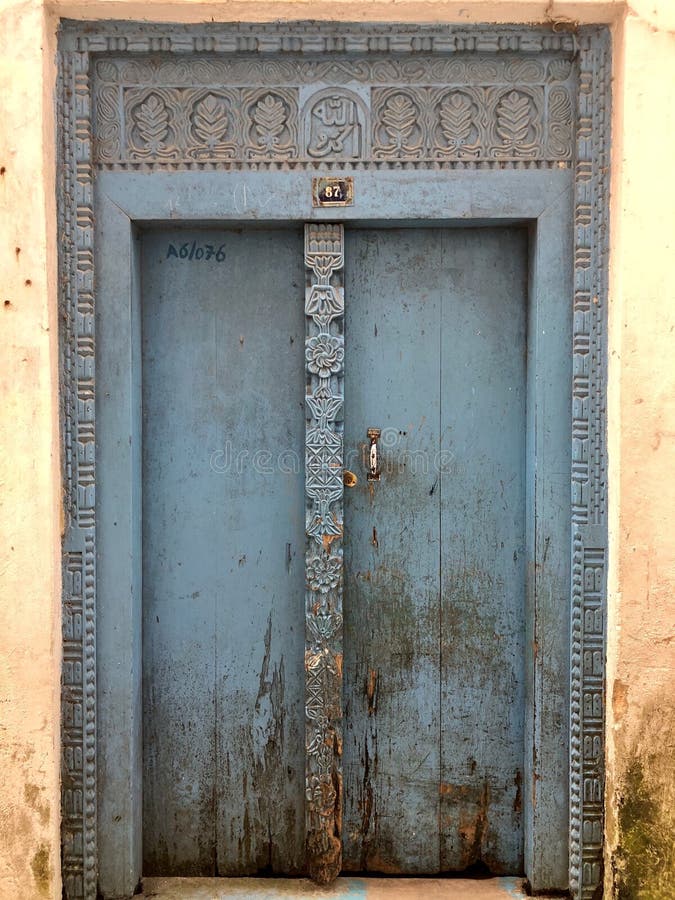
(499, 124)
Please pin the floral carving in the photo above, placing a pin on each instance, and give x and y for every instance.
(325, 625)
(323, 572)
(423, 111)
(324, 354)
(209, 120)
(455, 114)
(212, 127)
(324, 301)
(269, 117)
(324, 357)
(324, 406)
(459, 137)
(516, 124)
(271, 129)
(513, 118)
(398, 132)
(152, 127)
(399, 118)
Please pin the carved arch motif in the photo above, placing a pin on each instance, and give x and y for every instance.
(335, 126)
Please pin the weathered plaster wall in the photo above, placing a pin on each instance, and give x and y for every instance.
(29, 446)
(641, 666)
(641, 675)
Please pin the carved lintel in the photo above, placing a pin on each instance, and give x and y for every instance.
(441, 111)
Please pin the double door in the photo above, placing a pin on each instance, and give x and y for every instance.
(434, 575)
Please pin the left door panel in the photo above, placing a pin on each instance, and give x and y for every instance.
(223, 541)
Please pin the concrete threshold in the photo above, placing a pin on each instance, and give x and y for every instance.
(342, 889)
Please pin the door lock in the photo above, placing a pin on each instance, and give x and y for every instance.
(373, 458)
(349, 479)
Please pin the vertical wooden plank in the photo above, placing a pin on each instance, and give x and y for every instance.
(183, 501)
(118, 502)
(259, 766)
(392, 727)
(223, 539)
(482, 491)
(548, 614)
(324, 355)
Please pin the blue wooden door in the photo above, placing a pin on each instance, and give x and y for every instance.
(435, 336)
(435, 342)
(223, 552)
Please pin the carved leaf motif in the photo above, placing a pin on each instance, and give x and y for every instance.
(324, 406)
(559, 69)
(513, 118)
(399, 117)
(456, 118)
(270, 118)
(210, 119)
(324, 626)
(152, 119)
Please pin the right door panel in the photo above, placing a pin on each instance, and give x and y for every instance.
(434, 601)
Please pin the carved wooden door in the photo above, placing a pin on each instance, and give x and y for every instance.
(262, 751)
(417, 766)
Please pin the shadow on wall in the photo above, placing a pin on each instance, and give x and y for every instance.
(644, 862)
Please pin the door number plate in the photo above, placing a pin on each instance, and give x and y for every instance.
(332, 191)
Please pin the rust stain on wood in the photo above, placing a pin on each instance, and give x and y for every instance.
(473, 824)
(327, 539)
(379, 863)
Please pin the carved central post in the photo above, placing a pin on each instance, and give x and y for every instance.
(324, 364)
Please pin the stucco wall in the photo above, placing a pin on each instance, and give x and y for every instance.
(641, 673)
(641, 665)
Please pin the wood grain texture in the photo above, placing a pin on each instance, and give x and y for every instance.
(223, 531)
(434, 594)
(483, 562)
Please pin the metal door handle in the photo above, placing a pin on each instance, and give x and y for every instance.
(349, 479)
(373, 458)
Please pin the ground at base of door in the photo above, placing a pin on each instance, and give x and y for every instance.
(342, 889)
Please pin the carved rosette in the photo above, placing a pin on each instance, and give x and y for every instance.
(324, 359)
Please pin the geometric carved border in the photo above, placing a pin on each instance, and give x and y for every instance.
(397, 67)
(589, 466)
(76, 271)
